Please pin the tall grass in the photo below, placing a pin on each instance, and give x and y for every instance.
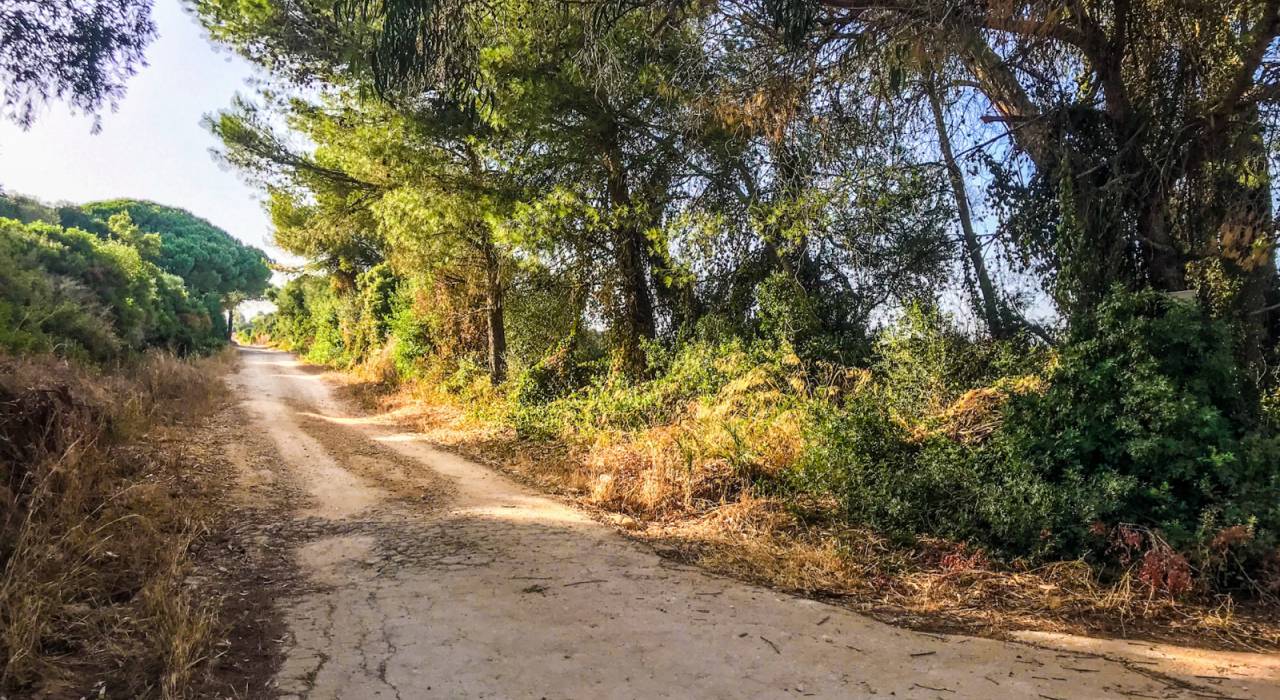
(95, 533)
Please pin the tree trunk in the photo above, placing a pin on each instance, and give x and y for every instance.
(494, 292)
(997, 81)
(495, 313)
(987, 292)
(1108, 244)
(230, 322)
(635, 322)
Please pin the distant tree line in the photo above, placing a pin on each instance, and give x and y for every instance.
(107, 279)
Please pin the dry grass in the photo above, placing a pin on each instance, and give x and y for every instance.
(687, 488)
(96, 528)
(942, 586)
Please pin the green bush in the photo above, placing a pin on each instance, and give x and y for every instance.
(691, 370)
(370, 321)
(539, 403)
(1142, 421)
(925, 363)
(115, 277)
(207, 258)
(298, 319)
(817, 328)
(68, 291)
(1148, 400)
(411, 333)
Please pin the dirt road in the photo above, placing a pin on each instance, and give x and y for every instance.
(430, 576)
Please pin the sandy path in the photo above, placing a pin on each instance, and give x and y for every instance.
(430, 576)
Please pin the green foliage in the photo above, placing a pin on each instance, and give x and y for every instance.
(879, 451)
(163, 277)
(1148, 399)
(1139, 420)
(377, 294)
(124, 230)
(27, 209)
(327, 327)
(68, 291)
(412, 346)
(807, 322)
(207, 258)
(70, 50)
(303, 308)
(255, 330)
(926, 362)
(909, 485)
(582, 398)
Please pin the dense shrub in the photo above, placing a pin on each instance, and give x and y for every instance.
(1140, 420)
(544, 402)
(69, 291)
(816, 327)
(925, 362)
(409, 331)
(113, 277)
(371, 312)
(1148, 406)
(535, 397)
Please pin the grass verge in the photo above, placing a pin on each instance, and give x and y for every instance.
(679, 487)
(99, 513)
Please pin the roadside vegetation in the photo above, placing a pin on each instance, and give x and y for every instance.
(101, 506)
(108, 279)
(968, 291)
(932, 484)
(109, 360)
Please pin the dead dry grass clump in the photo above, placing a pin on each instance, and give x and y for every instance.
(945, 586)
(709, 456)
(94, 532)
(976, 414)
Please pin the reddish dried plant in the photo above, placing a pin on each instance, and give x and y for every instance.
(1166, 571)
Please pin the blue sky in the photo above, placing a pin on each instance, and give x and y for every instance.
(153, 146)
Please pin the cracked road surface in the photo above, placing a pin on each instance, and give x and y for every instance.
(430, 576)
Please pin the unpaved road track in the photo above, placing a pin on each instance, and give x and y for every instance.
(430, 576)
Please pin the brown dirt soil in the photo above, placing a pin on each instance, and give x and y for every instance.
(244, 561)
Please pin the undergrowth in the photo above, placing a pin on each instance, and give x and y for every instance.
(95, 533)
(1091, 486)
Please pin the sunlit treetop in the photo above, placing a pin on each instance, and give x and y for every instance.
(209, 259)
